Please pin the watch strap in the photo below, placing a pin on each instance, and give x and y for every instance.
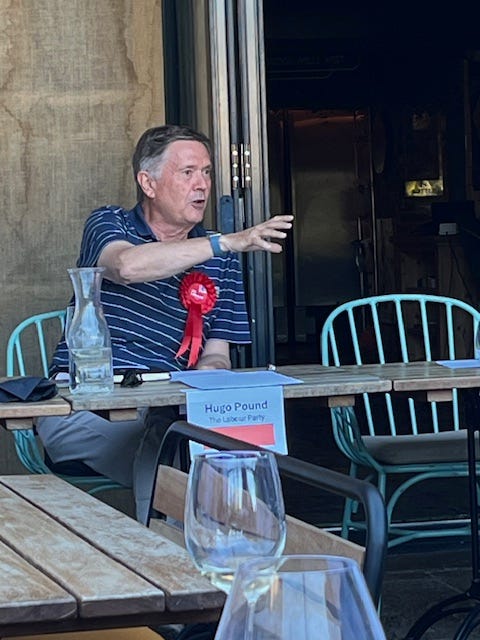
(216, 248)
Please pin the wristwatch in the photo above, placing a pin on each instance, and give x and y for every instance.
(216, 248)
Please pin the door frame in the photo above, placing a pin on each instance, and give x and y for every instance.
(237, 120)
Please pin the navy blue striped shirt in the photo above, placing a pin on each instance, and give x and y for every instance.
(147, 319)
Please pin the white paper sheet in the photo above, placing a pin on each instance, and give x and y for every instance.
(226, 379)
(459, 364)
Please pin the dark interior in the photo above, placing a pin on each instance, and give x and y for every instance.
(406, 80)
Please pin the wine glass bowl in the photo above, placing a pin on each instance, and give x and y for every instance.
(302, 597)
(234, 510)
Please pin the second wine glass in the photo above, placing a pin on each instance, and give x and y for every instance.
(234, 511)
(300, 597)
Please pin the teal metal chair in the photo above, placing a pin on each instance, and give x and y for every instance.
(28, 349)
(394, 442)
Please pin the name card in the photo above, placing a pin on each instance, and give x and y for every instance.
(255, 415)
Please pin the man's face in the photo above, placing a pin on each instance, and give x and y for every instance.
(183, 184)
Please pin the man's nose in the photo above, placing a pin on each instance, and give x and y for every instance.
(202, 181)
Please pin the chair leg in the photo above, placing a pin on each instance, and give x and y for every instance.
(349, 506)
(347, 517)
(382, 483)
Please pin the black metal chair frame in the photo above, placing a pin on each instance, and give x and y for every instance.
(180, 432)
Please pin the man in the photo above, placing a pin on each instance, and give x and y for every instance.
(158, 259)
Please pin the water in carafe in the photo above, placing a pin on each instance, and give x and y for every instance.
(88, 335)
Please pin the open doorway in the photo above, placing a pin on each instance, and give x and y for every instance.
(292, 133)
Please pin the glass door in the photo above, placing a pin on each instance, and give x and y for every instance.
(218, 46)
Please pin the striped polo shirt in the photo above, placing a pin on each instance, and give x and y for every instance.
(147, 319)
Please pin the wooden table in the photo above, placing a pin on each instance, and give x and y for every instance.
(20, 415)
(68, 561)
(333, 387)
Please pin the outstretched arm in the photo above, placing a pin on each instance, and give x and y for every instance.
(125, 263)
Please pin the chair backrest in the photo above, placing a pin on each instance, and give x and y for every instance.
(302, 537)
(31, 343)
(169, 499)
(401, 328)
(29, 350)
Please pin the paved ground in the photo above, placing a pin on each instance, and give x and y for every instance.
(416, 581)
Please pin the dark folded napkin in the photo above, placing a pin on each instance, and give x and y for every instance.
(27, 389)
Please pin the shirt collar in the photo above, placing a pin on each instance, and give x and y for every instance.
(139, 222)
(143, 229)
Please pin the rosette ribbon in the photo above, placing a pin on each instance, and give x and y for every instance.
(198, 295)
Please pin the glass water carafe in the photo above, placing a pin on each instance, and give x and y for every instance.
(88, 335)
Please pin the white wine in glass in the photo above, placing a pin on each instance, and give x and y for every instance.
(234, 511)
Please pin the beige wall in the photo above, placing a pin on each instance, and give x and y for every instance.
(80, 80)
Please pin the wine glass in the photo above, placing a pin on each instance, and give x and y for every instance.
(303, 597)
(234, 510)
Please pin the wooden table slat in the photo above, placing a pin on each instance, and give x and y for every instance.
(56, 406)
(429, 376)
(100, 585)
(161, 393)
(133, 545)
(28, 595)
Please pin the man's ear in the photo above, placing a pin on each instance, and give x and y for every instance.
(145, 181)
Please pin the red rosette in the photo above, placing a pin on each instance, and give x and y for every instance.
(198, 295)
